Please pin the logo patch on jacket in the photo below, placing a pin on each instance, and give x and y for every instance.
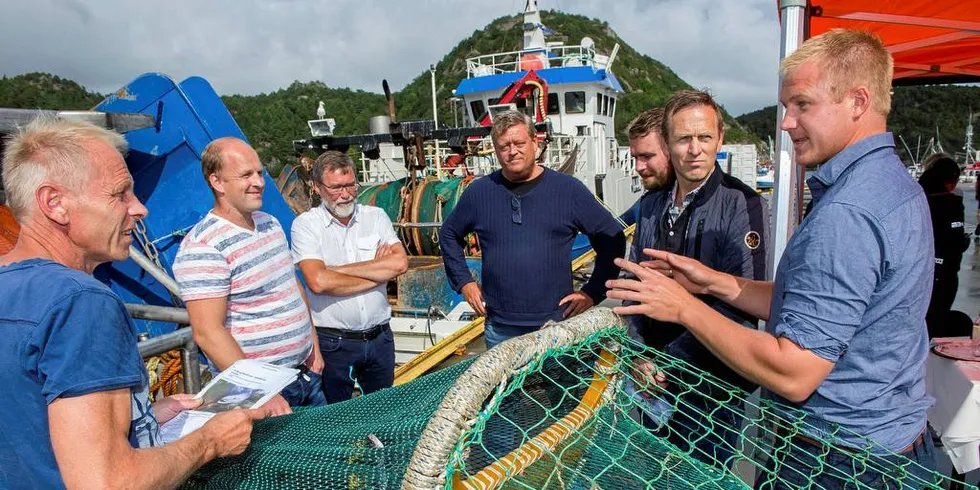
(752, 240)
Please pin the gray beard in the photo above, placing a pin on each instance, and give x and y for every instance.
(341, 210)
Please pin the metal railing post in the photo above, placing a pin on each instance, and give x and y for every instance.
(190, 365)
(159, 274)
(786, 193)
(181, 338)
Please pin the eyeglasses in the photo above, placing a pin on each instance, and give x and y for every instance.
(515, 206)
(337, 189)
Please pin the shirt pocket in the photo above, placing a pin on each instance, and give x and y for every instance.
(367, 246)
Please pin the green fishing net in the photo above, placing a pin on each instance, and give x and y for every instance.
(562, 408)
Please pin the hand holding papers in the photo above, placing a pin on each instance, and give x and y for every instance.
(246, 384)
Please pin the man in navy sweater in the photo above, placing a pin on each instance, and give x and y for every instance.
(526, 217)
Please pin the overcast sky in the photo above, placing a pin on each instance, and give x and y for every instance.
(251, 46)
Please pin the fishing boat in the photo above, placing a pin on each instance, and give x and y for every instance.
(415, 170)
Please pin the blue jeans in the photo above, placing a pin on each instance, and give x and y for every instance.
(370, 362)
(711, 427)
(804, 465)
(495, 333)
(306, 391)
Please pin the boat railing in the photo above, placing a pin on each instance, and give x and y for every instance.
(481, 160)
(513, 61)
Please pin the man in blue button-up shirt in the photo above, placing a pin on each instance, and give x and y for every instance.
(846, 341)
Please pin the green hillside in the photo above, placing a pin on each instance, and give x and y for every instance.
(918, 115)
(44, 91)
(271, 121)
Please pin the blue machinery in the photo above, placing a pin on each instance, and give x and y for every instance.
(165, 161)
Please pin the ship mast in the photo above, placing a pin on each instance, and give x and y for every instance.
(533, 29)
(971, 154)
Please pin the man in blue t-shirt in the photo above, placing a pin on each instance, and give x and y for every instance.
(526, 217)
(75, 409)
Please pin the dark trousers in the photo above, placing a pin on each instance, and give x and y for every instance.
(708, 430)
(306, 391)
(938, 321)
(370, 362)
(805, 466)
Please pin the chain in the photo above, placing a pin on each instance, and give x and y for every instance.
(151, 252)
(149, 249)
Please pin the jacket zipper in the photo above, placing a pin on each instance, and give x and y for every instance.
(697, 240)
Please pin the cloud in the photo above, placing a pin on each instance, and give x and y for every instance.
(255, 46)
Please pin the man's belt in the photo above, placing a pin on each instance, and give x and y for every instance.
(811, 442)
(367, 334)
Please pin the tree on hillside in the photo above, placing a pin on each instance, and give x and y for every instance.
(45, 91)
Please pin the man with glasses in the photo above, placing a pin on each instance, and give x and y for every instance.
(347, 253)
(236, 278)
(526, 217)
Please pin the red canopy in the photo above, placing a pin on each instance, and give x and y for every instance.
(932, 41)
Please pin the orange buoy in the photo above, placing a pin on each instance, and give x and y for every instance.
(9, 230)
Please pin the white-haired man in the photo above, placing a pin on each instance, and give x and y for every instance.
(347, 253)
(76, 412)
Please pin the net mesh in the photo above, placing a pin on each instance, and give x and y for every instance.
(563, 408)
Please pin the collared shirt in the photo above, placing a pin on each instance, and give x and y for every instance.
(853, 287)
(318, 235)
(674, 211)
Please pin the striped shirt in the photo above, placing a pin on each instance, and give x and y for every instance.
(253, 269)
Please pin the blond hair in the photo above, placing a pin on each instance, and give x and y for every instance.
(51, 150)
(848, 58)
(505, 120)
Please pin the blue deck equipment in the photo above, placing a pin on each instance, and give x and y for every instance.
(165, 162)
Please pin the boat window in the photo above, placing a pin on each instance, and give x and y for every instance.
(498, 108)
(598, 104)
(612, 106)
(605, 106)
(574, 102)
(476, 107)
(553, 107)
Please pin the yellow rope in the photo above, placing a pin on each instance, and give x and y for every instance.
(541, 97)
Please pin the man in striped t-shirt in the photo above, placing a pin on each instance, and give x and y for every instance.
(236, 277)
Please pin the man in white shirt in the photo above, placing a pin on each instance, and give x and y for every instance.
(236, 278)
(347, 253)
